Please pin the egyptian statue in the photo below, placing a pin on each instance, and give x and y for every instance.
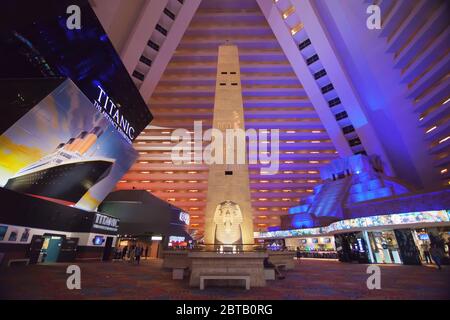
(228, 220)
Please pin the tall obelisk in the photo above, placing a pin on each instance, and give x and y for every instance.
(228, 215)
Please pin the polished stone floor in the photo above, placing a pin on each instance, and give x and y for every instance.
(311, 279)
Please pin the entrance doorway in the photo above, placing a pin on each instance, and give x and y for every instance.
(50, 248)
(384, 247)
(107, 249)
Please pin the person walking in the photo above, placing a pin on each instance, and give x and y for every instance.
(426, 252)
(137, 254)
(132, 254)
(437, 254)
(298, 253)
(124, 252)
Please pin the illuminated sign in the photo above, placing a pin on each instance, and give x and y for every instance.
(157, 238)
(184, 217)
(106, 223)
(365, 222)
(98, 240)
(112, 112)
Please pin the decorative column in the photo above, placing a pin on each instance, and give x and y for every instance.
(228, 215)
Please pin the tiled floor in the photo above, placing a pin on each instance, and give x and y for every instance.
(311, 279)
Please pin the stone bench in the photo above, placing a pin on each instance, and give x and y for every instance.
(204, 277)
(282, 266)
(18, 261)
(269, 274)
(178, 273)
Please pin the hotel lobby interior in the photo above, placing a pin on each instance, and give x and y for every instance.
(225, 150)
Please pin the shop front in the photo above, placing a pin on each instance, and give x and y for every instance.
(313, 247)
(147, 222)
(40, 231)
(399, 238)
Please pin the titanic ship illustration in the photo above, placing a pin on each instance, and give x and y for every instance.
(66, 174)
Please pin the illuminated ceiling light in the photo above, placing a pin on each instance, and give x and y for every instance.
(287, 190)
(262, 217)
(193, 199)
(421, 118)
(291, 131)
(166, 142)
(265, 142)
(314, 152)
(262, 209)
(286, 199)
(149, 190)
(192, 172)
(263, 190)
(288, 12)
(170, 190)
(193, 190)
(296, 28)
(168, 181)
(431, 129)
(288, 172)
(313, 161)
(145, 181)
(143, 162)
(171, 199)
(263, 181)
(165, 132)
(287, 181)
(289, 162)
(446, 101)
(315, 141)
(309, 190)
(289, 152)
(445, 139)
(123, 181)
(444, 171)
(312, 172)
(195, 217)
(192, 181)
(142, 142)
(262, 199)
(312, 181)
(194, 225)
(316, 131)
(144, 172)
(168, 172)
(261, 225)
(194, 208)
(168, 162)
(142, 152)
(290, 141)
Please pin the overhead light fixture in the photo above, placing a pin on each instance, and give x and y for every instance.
(296, 28)
(288, 12)
(445, 139)
(431, 129)
(446, 101)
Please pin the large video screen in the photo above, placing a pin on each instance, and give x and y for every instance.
(64, 150)
(37, 44)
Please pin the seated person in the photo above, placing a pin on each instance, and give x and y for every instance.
(270, 265)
